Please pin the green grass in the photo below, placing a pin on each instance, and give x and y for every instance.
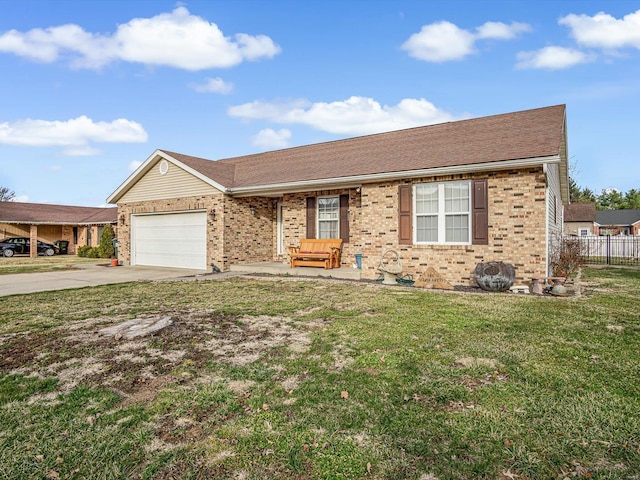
(24, 264)
(301, 379)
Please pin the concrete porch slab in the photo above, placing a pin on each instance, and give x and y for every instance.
(276, 268)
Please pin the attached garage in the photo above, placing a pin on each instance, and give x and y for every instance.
(170, 240)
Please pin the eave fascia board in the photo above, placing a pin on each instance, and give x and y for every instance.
(357, 180)
(142, 170)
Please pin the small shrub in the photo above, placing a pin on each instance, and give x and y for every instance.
(88, 252)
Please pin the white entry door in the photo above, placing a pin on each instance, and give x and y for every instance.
(170, 240)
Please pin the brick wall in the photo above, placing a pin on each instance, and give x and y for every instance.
(249, 236)
(213, 204)
(517, 215)
(294, 217)
(234, 234)
(516, 228)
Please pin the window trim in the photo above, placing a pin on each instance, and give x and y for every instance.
(442, 215)
(318, 199)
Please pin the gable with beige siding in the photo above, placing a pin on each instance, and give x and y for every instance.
(176, 182)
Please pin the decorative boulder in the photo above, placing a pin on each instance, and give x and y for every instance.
(495, 276)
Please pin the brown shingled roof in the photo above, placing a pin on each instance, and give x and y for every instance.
(580, 212)
(512, 136)
(40, 213)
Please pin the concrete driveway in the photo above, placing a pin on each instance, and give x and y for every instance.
(87, 275)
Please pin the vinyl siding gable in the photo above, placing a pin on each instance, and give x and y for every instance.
(554, 201)
(174, 184)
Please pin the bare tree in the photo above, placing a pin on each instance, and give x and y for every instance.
(7, 195)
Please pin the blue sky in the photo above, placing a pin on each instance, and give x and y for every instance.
(89, 89)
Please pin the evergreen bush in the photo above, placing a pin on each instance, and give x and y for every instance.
(105, 249)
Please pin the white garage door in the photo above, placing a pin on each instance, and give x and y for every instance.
(170, 240)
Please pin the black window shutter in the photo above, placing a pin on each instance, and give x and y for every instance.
(311, 217)
(344, 218)
(405, 236)
(480, 212)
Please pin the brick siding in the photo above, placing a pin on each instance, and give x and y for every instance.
(234, 235)
(516, 228)
(517, 234)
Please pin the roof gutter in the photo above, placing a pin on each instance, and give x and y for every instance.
(356, 180)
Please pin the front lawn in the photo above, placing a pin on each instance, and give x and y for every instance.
(26, 264)
(284, 378)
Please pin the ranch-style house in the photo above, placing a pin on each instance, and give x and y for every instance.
(446, 196)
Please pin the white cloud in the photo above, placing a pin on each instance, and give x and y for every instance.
(81, 151)
(440, 42)
(177, 39)
(272, 110)
(502, 31)
(213, 85)
(21, 198)
(75, 134)
(354, 116)
(270, 139)
(443, 41)
(552, 58)
(604, 31)
(134, 165)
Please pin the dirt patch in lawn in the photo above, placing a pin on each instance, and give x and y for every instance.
(96, 352)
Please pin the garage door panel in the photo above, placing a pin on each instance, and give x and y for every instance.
(170, 240)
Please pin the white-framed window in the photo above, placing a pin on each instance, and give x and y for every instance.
(442, 212)
(328, 217)
(583, 232)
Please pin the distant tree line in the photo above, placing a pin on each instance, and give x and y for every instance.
(607, 199)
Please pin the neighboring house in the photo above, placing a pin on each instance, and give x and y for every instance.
(580, 218)
(618, 222)
(77, 225)
(446, 196)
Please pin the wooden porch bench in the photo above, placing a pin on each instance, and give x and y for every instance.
(321, 252)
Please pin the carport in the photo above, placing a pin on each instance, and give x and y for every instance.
(50, 223)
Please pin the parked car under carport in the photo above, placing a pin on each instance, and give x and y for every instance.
(22, 246)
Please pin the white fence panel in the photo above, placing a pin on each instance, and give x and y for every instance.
(611, 250)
